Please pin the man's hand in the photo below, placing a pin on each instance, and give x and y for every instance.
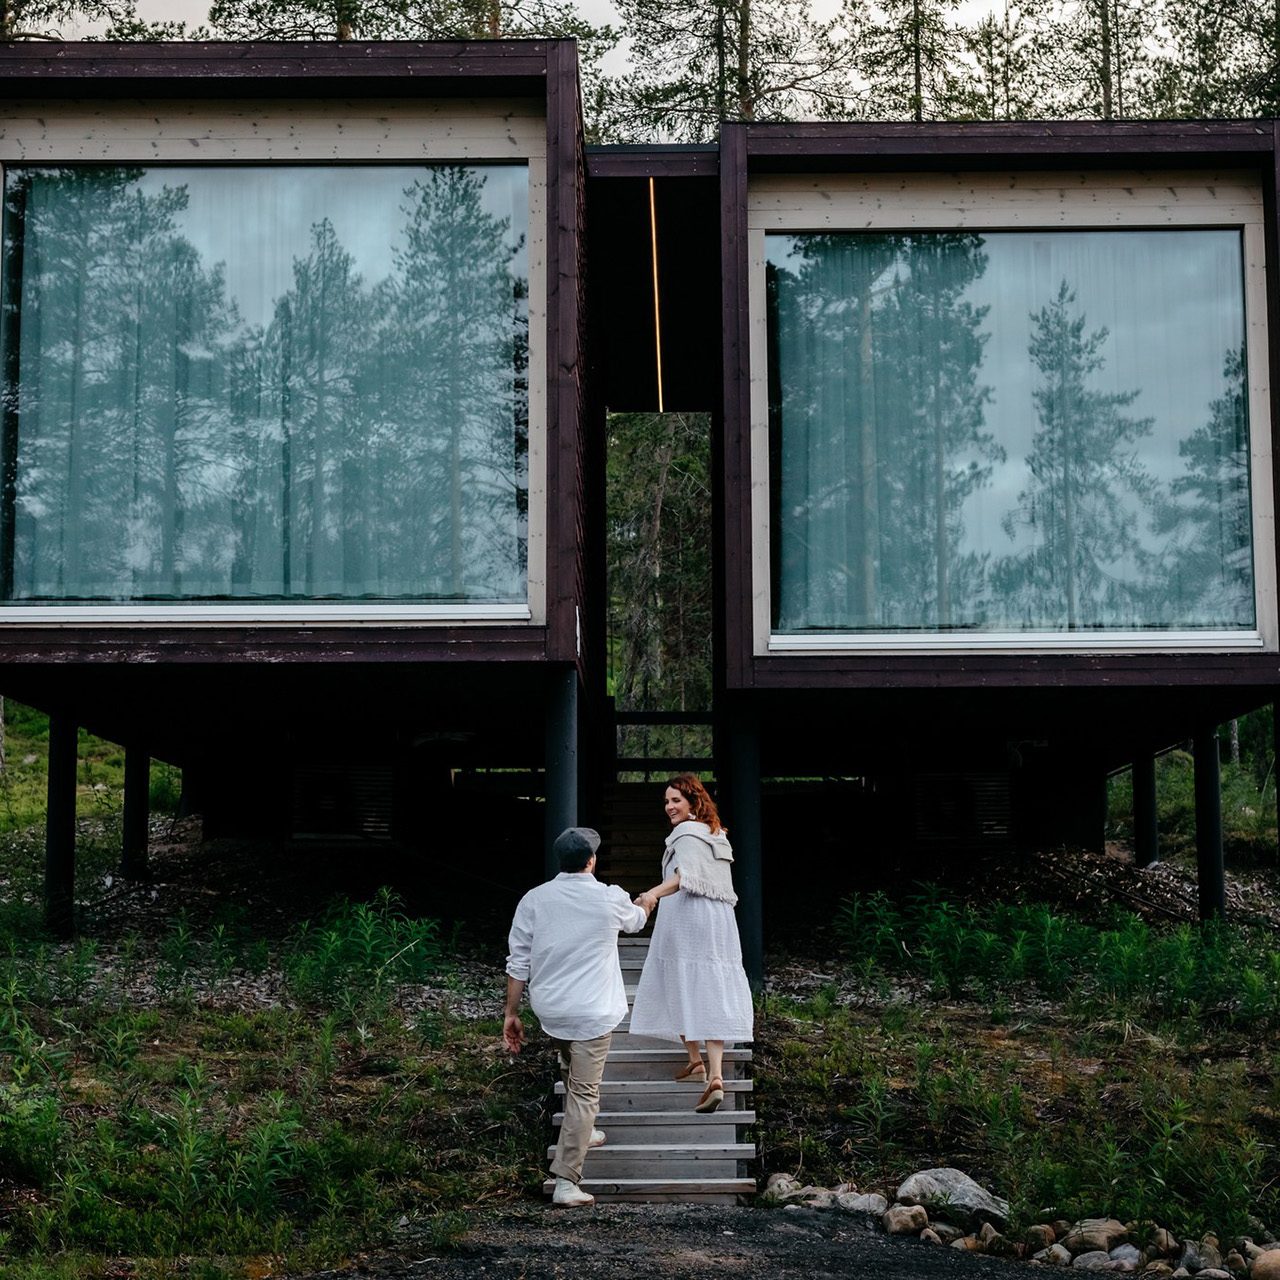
(513, 1032)
(647, 901)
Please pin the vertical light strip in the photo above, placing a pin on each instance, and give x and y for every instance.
(657, 315)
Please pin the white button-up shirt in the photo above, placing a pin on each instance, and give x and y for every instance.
(564, 944)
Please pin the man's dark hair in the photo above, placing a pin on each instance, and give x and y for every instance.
(574, 847)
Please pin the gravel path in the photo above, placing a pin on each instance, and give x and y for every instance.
(636, 1242)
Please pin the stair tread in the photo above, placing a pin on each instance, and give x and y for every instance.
(662, 1119)
(673, 1054)
(703, 1185)
(727, 1150)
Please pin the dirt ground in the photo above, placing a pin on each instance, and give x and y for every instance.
(636, 1242)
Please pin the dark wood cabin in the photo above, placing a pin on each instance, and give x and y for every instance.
(293, 446)
(307, 351)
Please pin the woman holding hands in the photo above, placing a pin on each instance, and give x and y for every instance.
(693, 987)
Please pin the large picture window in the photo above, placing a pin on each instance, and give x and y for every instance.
(1010, 431)
(266, 383)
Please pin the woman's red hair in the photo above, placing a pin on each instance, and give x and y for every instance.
(702, 807)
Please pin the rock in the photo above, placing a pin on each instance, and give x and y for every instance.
(821, 1200)
(930, 1237)
(777, 1179)
(987, 1233)
(954, 1195)
(1200, 1256)
(971, 1243)
(870, 1205)
(845, 1187)
(1266, 1265)
(1039, 1237)
(1234, 1261)
(1090, 1235)
(1060, 1228)
(905, 1220)
(1162, 1241)
(1126, 1253)
(1092, 1259)
(1251, 1251)
(1157, 1270)
(1125, 1265)
(1054, 1256)
(945, 1231)
(1213, 1273)
(1179, 1273)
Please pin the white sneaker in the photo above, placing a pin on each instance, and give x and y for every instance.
(598, 1138)
(568, 1195)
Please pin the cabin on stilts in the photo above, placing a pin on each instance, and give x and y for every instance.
(307, 352)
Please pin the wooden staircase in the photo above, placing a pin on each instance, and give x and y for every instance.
(658, 1148)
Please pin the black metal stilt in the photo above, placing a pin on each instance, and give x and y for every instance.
(561, 759)
(60, 828)
(1212, 879)
(1146, 826)
(137, 812)
(742, 816)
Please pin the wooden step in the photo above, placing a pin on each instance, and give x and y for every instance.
(632, 1128)
(662, 1095)
(658, 1190)
(662, 1064)
(667, 1160)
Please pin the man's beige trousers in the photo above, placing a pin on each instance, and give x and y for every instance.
(581, 1065)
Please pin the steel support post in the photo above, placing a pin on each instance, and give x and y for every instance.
(60, 828)
(137, 812)
(561, 759)
(1146, 826)
(742, 817)
(1212, 880)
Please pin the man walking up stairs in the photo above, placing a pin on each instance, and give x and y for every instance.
(656, 1148)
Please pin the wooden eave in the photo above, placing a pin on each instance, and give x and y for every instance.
(488, 68)
(624, 160)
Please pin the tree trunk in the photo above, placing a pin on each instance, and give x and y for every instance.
(746, 107)
(918, 60)
(1235, 741)
(1104, 52)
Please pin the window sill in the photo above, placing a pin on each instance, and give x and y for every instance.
(1020, 642)
(302, 614)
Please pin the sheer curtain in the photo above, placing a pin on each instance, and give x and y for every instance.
(1009, 431)
(231, 383)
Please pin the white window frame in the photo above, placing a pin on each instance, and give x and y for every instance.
(998, 202)
(330, 132)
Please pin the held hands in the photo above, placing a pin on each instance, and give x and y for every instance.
(513, 1032)
(648, 900)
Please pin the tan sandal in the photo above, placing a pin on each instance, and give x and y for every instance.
(694, 1071)
(712, 1096)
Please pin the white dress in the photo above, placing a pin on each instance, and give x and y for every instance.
(693, 984)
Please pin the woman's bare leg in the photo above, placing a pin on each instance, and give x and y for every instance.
(715, 1059)
(691, 1047)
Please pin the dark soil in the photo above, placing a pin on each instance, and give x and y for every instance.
(634, 1242)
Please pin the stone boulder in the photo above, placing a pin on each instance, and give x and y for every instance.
(868, 1205)
(1092, 1234)
(1092, 1260)
(953, 1195)
(1054, 1256)
(905, 1220)
(1266, 1265)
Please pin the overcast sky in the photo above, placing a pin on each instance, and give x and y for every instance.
(595, 11)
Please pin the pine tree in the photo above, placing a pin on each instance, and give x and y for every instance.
(47, 19)
(1095, 59)
(1002, 84)
(1087, 489)
(911, 58)
(699, 62)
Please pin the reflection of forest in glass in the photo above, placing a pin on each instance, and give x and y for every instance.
(1009, 431)
(265, 383)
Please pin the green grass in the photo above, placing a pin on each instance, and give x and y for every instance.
(298, 1131)
(100, 773)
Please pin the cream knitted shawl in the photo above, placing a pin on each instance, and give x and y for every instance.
(704, 861)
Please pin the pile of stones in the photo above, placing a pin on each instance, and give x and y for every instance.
(947, 1207)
